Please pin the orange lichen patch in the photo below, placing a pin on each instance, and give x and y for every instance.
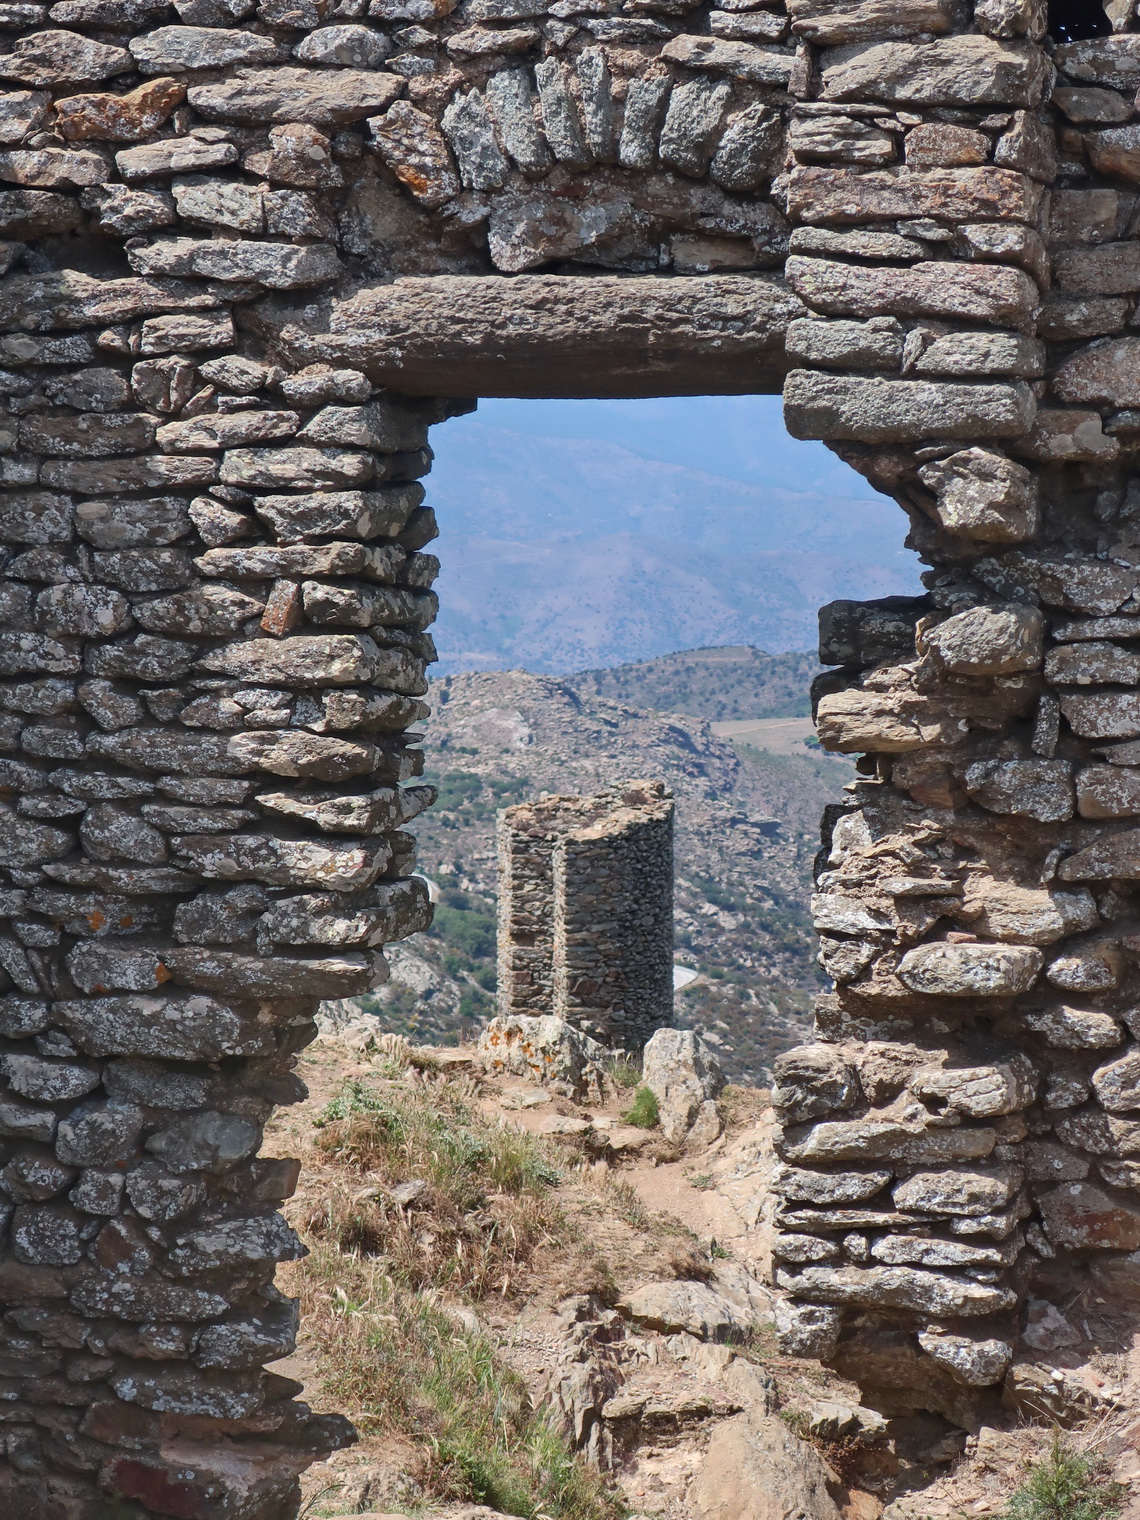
(119, 118)
(417, 183)
(97, 920)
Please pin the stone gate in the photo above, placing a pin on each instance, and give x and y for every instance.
(251, 247)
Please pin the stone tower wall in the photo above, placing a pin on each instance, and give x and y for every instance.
(586, 911)
(959, 1142)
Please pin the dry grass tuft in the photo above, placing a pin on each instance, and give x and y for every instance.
(448, 1200)
(400, 1364)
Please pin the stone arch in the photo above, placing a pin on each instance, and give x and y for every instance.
(251, 248)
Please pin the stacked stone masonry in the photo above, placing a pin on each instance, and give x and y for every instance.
(586, 911)
(247, 248)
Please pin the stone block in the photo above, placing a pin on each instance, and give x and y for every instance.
(1005, 297)
(955, 71)
(987, 640)
(971, 970)
(896, 411)
(817, 194)
(1082, 1216)
(984, 496)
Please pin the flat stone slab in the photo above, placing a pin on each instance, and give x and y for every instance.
(552, 335)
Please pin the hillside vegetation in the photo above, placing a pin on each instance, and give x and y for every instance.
(719, 684)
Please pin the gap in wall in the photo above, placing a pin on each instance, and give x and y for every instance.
(577, 534)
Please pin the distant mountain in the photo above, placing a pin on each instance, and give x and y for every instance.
(561, 553)
(719, 684)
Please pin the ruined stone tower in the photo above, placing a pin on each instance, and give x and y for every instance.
(586, 911)
(248, 246)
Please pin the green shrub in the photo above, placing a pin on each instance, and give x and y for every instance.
(1067, 1485)
(643, 1111)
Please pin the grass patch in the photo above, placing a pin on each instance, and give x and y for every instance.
(451, 1201)
(643, 1111)
(400, 1365)
(623, 1073)
(1067, 1485)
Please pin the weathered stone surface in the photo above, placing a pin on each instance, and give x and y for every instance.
(413, 146)
(961, 1191)
(878, 410)
(971, 70)
(119, 118)
(986, 293)
(314, 97)
(694, 1307)
(737, 60)
(178, 1028)
(1082, 1216)
(896, 1288)
(1116, 151)
(533, 335)
(277, 266)
(978, 1361)
(683, 1074)
(1101, 61)
(988, 640)
(48, 58)
(1105, 371)
(817, 194)
(546, 1049)
(1107, 791)
(1041, 789)
(1074, 1028)
(173, 49)
(757, 1469)
(984, 496)
(831, 24)
(971, 970)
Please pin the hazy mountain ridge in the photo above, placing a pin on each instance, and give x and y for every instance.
(564, 553)
(718, 684)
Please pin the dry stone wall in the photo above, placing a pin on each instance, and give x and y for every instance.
(246, 249)
(586, 911)
(960, 1143)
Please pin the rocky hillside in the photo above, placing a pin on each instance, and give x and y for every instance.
(747, 831)
(531, 1306)
(719, 683)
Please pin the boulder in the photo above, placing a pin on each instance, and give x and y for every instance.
(671, 1307)
(757, 1469)
(547, 1050)
(683, 1075)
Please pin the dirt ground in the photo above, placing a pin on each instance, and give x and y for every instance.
(640, 1213)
